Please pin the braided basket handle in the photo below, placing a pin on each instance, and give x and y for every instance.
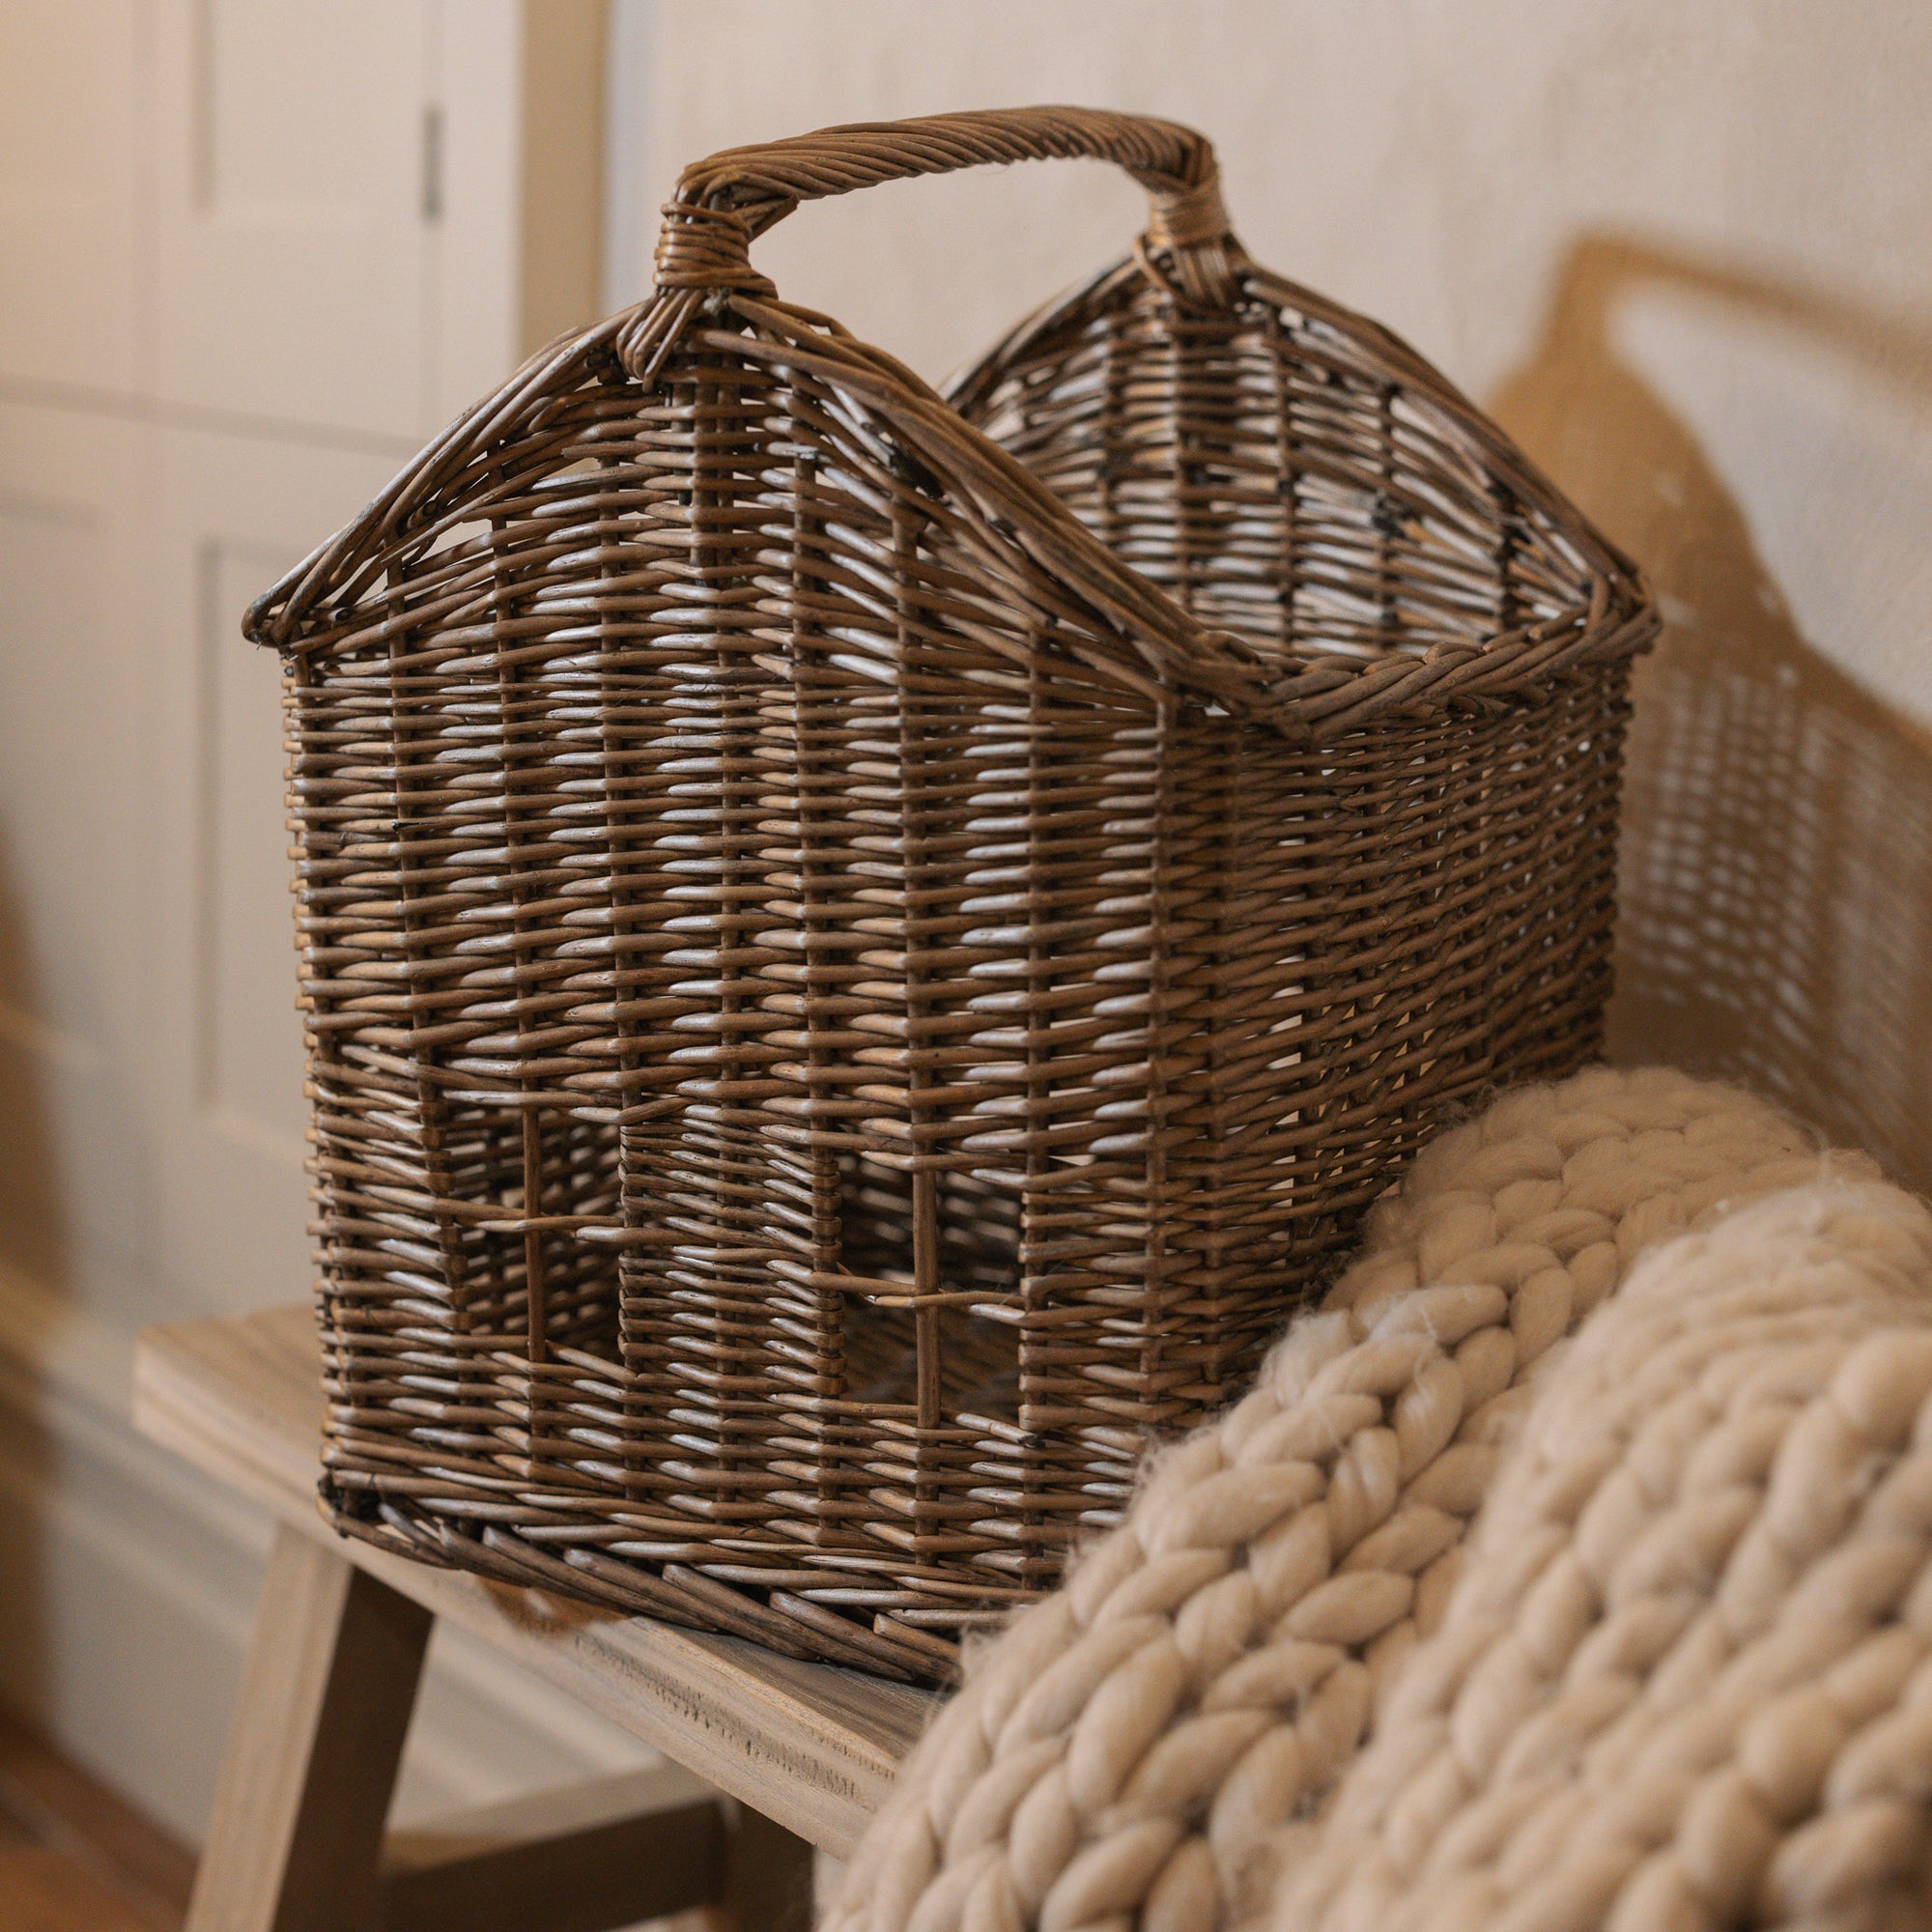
(724, 203)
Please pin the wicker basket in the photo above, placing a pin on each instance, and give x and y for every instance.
(857, 965)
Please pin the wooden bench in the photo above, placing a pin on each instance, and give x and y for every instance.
(298, 1841)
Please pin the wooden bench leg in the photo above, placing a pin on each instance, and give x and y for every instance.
(295, 1842)
(767, 1877)
(585, 1858)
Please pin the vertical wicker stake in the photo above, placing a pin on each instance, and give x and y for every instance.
(1505, 555)
(1387, 518)
(815, 751)
(1155, 1261)
(410, 722)
(917, 755)
(1036, 1199)
(533, 1263)
(926, 1287)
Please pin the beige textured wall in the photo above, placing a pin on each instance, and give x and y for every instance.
(1684, 252)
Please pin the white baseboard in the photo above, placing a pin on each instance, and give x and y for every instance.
(128, 1584)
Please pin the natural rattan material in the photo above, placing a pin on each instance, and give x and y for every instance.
(856, 968)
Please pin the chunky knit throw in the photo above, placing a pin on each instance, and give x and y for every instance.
(1676, 1676)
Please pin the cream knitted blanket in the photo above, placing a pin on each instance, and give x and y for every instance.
(1683, 1681)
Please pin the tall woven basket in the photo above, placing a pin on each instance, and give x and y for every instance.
(861, 955)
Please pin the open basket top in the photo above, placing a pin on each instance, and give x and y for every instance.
(1397, 460)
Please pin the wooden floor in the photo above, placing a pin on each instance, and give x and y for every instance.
(73, 1857)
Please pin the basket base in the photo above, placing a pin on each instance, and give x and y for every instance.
(674, 1593)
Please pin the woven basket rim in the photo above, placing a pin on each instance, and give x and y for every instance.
(1158, 646)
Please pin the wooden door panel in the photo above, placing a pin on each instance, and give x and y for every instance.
(248, 1060)
(75, 1189)
(72, 136)
(292, 270)
(228, 1112)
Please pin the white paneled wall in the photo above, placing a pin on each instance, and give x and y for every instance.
(230, 513)
(74, 184)
(252, 252)
(72, 492)
(290, 165)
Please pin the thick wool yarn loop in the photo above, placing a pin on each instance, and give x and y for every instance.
(1688, 1680)
(1155, 1741)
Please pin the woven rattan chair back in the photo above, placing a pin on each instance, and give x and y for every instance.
(858, 965)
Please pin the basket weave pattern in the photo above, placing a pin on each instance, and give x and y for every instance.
(859, 954)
